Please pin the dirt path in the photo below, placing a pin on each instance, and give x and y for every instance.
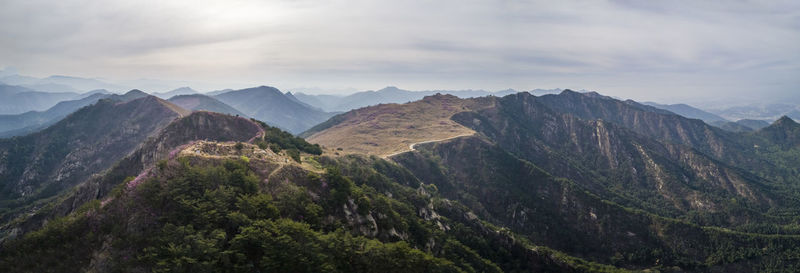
(260, 133)
(411, 146)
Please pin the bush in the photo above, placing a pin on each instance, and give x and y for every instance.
(294, 154)
(285, 141)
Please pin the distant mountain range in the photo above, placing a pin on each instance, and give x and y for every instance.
(32, 121)
(618, 153)
(90, 140)
(176, 92)
(28, 111)
(566, 182)
(204, 103)
(270, 105)
(59, 83)
(741, 125)
(767, 112)
(391, 94)
(18, 99)
(688, 111)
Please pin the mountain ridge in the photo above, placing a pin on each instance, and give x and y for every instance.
(85, 142)
(33, 121)
(197, 102)
(575, 181)
(389, 94)
(176, 92)
(270, 105)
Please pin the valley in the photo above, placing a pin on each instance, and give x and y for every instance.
(399, 136)
(559, 182)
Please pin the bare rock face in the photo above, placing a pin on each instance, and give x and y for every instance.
(603, 152)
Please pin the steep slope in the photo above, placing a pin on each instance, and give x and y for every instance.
(617, 163)
(295, 99)
(532, 188)
(33, 121)
(666, 168)
(512, 193)
(163, 145)
(743, 125)
(205, 103)
(688, 111)
(784, 132)
(742, 151)
(246, 209)
(194, 127)
(324, 102)
(754, 124)
(273, 107)
(391, 128)
(659, 125)
(731, 126)
(90, 140)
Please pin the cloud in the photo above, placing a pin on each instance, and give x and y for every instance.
(670, 48)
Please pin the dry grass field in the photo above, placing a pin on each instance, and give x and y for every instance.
(388, 129)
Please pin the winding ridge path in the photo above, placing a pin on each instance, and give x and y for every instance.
(411, 146)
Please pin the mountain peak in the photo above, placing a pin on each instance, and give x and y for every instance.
(583, 93)
(784, 132)
(594, 94)
(176, 92)
(184, 89)
(441, 97)
(390, 89)
(104, 132)
(266, 87)
(272, 106)
(135, 92)
(785, 121)
(200, 102)
(569, 92)
(263, 89)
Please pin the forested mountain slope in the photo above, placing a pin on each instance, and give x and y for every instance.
(86, 142)
(560, 183)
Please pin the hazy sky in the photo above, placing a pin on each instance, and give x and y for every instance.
(665, 50)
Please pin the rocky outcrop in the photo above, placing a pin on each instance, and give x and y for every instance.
(612, 160)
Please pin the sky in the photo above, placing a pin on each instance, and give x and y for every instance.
(667, 51)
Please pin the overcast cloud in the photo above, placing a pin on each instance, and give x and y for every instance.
(666, 50)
